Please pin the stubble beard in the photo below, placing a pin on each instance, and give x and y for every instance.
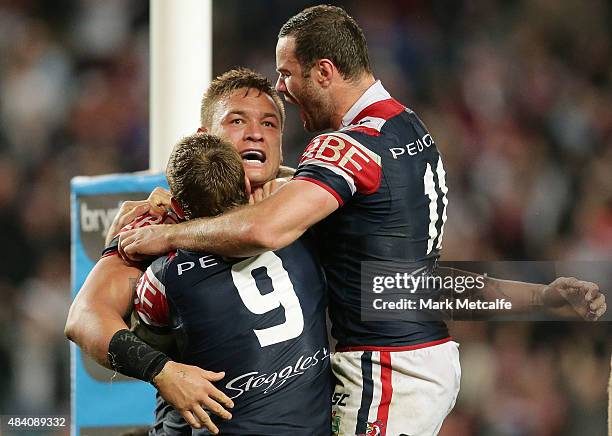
(317, 112)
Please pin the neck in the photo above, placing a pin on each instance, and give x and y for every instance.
(346, 94)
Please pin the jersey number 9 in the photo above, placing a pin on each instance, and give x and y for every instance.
(283, 295)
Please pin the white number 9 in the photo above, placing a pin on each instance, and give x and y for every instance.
(283, 294)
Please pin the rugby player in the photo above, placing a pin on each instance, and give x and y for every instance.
(376, 186)
(242, 107)
(261, 320)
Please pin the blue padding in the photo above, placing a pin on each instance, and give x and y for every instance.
(111, 183)
(96, 403)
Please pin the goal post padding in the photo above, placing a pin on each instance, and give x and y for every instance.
(102, 400)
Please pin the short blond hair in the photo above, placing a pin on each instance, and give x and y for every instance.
(206, 176)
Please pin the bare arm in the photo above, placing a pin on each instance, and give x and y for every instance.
(99, 309)
(523, 296)
(98, 312)
(565, 296)
(271, 224)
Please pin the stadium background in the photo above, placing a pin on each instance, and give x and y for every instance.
(516, 94)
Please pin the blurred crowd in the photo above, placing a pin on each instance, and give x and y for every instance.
(515, 93)
(73, 101)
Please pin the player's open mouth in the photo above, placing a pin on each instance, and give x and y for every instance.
(253, 156)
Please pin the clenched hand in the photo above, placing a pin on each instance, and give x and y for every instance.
(156, 204)
(138, 244)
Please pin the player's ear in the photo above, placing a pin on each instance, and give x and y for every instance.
(202, 129)
(247, 184)
(325, 70)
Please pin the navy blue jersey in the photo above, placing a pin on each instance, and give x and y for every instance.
(385, 170)
(259, 319)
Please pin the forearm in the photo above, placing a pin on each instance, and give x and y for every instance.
(527, 297)
(131, 356)
(92, 328)
(249, 230)
(523, 296)
(231, 234)
(271, 224)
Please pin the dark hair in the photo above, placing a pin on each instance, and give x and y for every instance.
(328, 32)
(206, 176)
(232, 80)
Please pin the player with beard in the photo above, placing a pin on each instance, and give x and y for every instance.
(242, 107)
(376, 186)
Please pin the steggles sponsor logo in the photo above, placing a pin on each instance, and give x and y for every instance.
(268, 382)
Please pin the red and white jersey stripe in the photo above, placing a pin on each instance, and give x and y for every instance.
(150, 301)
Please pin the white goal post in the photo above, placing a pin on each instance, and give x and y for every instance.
(181, 69)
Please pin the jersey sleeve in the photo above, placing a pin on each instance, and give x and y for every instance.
(341, 165)
(150, 301)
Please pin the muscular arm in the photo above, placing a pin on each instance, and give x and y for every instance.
(271, 224)
(99, 309)
(98, 312)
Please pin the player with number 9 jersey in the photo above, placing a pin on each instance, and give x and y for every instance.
(259, 319)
